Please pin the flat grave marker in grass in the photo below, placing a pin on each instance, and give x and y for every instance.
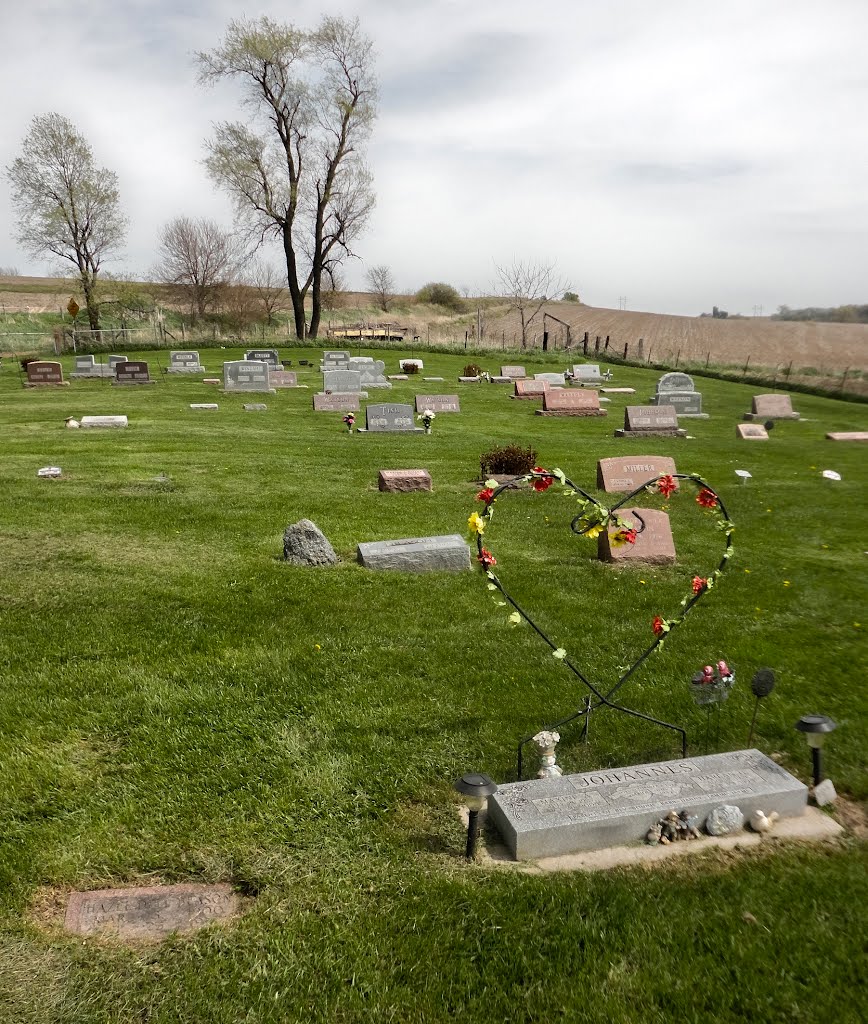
(848, 435)
(401, 481)
(560, 402)
(751, 432)
(339, 402)
(594, 810)
(184, 362)
(44, 374)
(245, 375)
(449, 553)
(132, 372)
(650, 421)
(627, 472)
(204, 405)
(150, 912)
(380, 418)
(438, 403)
(654, 544)
(771, 407)
(103, 422)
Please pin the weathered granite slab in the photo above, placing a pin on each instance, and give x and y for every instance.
(184, 362)
(342, 381)
(654, 543)
(204, 405)
(404, 480)
(751, 432)
(150, 912)
(618, 391)
(650, 421)
(771, 407)
(555, 380)
(398, 376)
(94, 422)
(255, 407)
(430, 379)
(515, 372)
(848, 435)
(390, 418)
(131, 372)
(595, 810)
(499, 380)
(627, 472)
(438, 403)
(469, 380)
(449, 553)
(247, 375)
(42, 373)
(559, 402)
(345, 401)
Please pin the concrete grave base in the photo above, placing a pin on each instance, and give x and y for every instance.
(571, 412)
(751, 416)
(848, 435)
(595, 810)
(650, 433)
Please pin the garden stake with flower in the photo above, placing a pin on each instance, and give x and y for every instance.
(350, 420)
(593, 518)
(427, 417)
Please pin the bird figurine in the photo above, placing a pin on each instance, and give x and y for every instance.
(761, 822)
(72, 423)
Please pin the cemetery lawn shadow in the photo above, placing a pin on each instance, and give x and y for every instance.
(178, 703)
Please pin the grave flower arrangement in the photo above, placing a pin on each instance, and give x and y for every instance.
(427, 417)
(350, 420)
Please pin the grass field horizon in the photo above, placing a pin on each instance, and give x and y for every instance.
(181, 705)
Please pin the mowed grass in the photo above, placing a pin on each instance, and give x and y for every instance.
(179, 705)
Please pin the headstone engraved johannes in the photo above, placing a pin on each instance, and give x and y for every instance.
(626, 473)
(242, 375)
(149, 912)
(595, 810)
(438, 403)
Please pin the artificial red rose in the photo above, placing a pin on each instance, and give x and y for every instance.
(699, 584)
(486, 494)
(666, 485)
(541, 484)
(658, 626)
(706, 498)
(486, 558)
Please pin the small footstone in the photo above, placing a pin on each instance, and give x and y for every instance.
(211, 380)
(403, 480)
(848, 435)
(92, 422)
(204, 405)
(825, 793)
(723, 820)
(305, 544)
(255, 407)
(149, 912)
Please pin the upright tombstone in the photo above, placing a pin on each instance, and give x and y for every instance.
(113, 363)
(589, 373)
(44, 374)
(650, 421)
(751, 432)
(263, 355)
(337, 402)
(371, 370)
(771, 407)
(513, 372)
(132, 372)
(184, 362)
(559, 402)
(390, 419)
(654, 544)
(677, 389)
(242, 375)
(334, 360)
(626, 473)
(534, 389)
(85, 366)
(336, 381)
(554, 380)
(283, 378)
(438, 403)
(400, 481)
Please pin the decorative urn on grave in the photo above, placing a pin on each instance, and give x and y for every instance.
(545, 742)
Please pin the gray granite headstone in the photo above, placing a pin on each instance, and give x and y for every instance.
(114, 360)
(87, 366)
(342, 381)
(390, 418)
(334, 360)
(609, 807)
(587, 373)
(243, 375)
(371, 372)
(677, 389)
(438, 403)
(96, 422)
(449, 553)
(184, 362)
(650, 421)
(555, 380)
(150, 912)
(515, 372)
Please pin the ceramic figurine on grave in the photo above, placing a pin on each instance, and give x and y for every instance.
(545, 742)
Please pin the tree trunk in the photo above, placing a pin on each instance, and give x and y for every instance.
(87, 286)
(295, 292)
(316, 301)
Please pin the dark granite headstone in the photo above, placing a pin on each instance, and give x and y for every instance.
(134, 372)
(389, 418)
(40, 374)
(263, 355)
(246, 375)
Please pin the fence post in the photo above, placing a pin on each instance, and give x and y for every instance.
(626, 346)
(707, 359)
(844, 378)
(744, 370)
(677, 358)
(585, 344)
(788, 371)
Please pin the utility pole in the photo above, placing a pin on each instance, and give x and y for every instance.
(622, 302)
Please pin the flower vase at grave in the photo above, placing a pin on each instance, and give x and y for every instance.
(545, 742)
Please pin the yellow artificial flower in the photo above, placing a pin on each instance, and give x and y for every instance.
(476, 523)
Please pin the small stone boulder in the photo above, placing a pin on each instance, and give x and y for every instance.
(305, 544)
(724, 820)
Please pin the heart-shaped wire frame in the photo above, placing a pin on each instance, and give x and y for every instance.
(598, 517)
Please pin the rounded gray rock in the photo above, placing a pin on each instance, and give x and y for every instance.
(723, 820)
(305, 544)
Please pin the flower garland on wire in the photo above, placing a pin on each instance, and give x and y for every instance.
(593, 518)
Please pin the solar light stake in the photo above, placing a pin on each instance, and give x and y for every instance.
(476, 789)
(815, 728)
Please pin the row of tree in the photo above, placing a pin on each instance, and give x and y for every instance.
(851, 314)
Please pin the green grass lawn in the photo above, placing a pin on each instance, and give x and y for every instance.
(179, 705)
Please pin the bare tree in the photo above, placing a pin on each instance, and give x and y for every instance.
(65, 204)
(267, 283)
(199, 258)
(295, 170)
(382, 284)
(333, 296)
(527, 286)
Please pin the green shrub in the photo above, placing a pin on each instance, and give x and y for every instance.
(472, 370)
(410, 368)
(571, 297)
(507, 460)
(436, 293)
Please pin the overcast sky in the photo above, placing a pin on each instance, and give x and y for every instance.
(678, 154)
